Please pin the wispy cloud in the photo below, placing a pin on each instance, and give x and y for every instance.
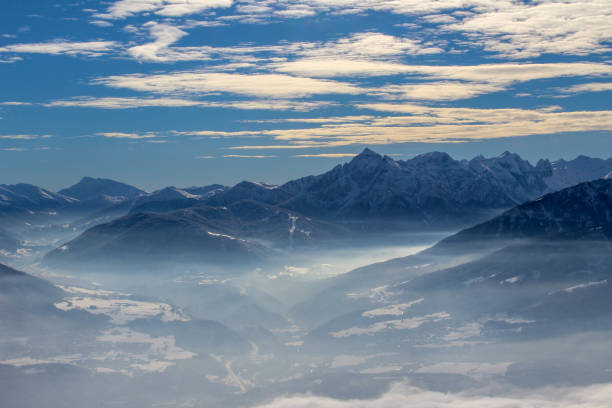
(167, 8)
(61, 47)
(368, 45)
(248, 156)
(327, 155)
(15, 103)
(418, 123)
(122, 103)
(10, 60)
(164, 35)
(215, 133)
(133, 103)
(25, 137)
(445, 82)
(202, 83)
(122, 135)
(588, 87)
(439, 82)
(24, 149)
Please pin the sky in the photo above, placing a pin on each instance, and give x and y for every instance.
(193, 92)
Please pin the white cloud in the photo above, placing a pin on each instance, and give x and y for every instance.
(271, 104)
(509, 28)
(524, 30)
(60, 47)
(123, 135)
(337, 66)
(296, 8)
(248, 156)
(122, 103)
(15, 103)
(132, 103)
(368, 45)
(163, 35)
(589, 87)
(327, 155)
(199, 82)
(219, 133)
(404, 395)
(451, 82)
(101, 23)
(359, 46)
(25, 137)
(418, 123)
(440, 91)
(10, 60)
(169, 8)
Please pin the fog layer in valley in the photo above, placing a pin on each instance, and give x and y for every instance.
(263, 296)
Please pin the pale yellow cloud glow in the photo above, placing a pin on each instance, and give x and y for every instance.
(417, 123)
(259, 85)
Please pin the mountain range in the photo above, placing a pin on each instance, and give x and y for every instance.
(421, 189)
(549, 273)
(370, 193)
(537, 271)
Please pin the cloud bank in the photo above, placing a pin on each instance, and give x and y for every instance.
(403, 395)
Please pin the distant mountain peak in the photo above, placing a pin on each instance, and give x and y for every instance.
(90, 188)
(510, 157)
(86, 179)
(368, 152)
(435, 157)
(366, 155)
(254, 185)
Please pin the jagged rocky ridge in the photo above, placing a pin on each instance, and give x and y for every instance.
(429, 189)
(371, 192)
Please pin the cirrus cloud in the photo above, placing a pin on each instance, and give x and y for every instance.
(201, 82)
(403, 123)
(169, 8)
(133, 103)
(61, 47)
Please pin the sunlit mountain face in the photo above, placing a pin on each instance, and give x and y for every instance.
(329, 204)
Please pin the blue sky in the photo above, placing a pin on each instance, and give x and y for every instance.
(190, 92)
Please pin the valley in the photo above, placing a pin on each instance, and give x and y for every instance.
(236, 295)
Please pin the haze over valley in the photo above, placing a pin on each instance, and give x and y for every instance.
(341, 285)
(306, 204)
